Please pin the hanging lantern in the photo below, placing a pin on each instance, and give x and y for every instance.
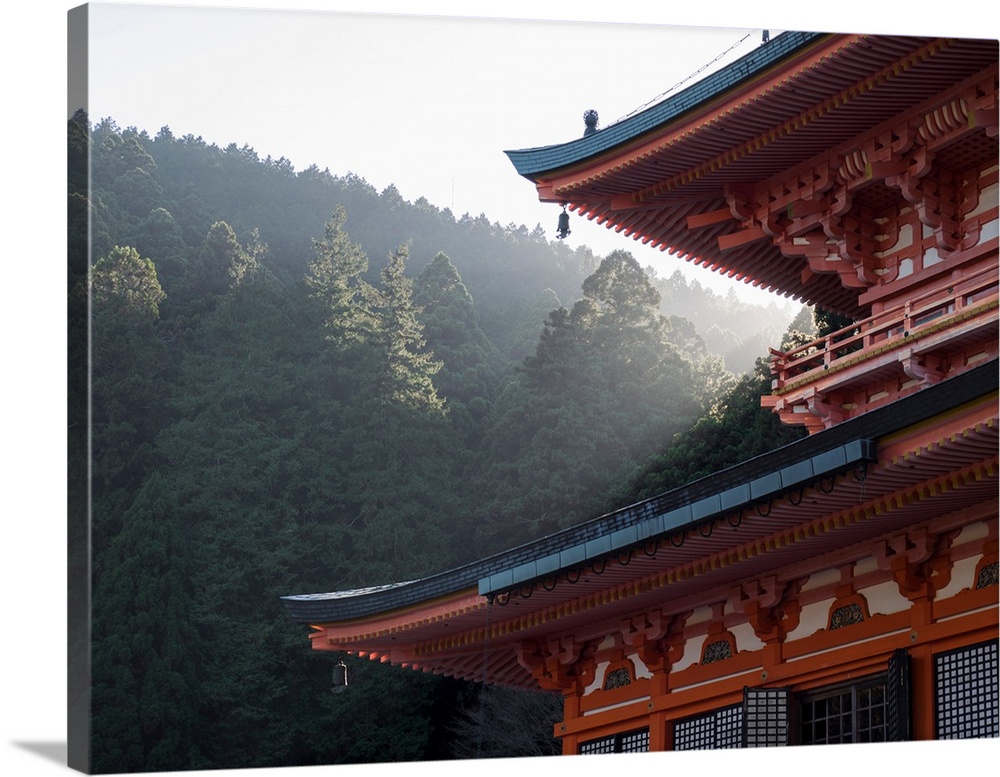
(563, 229)
(340, 677)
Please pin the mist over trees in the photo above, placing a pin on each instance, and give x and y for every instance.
(298, 384)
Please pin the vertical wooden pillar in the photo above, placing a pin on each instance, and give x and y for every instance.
(922, 692)
(571, 711)
(661, 733)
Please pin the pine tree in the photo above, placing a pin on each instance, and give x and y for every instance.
(145, 685)
(335, 280)
(126, 362)
(604, 387)
(403, 366)
(468, 378)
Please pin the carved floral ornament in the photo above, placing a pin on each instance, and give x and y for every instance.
(618, 676)
(718, 649)
(987, 576)
(987, 571)
(848, 612)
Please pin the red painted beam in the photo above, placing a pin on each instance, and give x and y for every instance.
(744, 236)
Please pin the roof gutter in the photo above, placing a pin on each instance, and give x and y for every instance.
(762, 489)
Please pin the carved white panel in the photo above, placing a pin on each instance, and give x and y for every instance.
(963, 575)
(820, 579)
(813, 618)
(692, 653)
(885, 598)
(904, 240)
(865, 565)
(987, 199)
(746, 640)
(700, 615)
(598, 682)
(641, 670)
(607, 643)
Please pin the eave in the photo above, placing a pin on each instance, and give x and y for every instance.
(445, 624)
(672, 176)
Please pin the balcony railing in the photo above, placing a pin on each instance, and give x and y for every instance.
(934, 310)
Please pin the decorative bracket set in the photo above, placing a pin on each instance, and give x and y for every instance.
(815, 213)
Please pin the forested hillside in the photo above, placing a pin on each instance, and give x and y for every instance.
(297, 384)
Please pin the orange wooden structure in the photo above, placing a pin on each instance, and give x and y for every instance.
(839, 589)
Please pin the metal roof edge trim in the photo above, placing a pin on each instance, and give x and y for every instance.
(947, 395)
(540, 159)
(761, 489)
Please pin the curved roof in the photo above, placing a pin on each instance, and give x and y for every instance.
(443, 624)
(533, 162)
(841, 448)
(667, 176)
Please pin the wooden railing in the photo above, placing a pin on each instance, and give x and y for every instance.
(934, 309)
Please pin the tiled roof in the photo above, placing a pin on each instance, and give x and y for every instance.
(530, 161)
(704, 175)
(923, 405)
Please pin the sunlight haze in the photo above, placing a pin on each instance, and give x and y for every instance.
(428, 104)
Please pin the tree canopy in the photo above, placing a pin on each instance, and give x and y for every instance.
(295, 383)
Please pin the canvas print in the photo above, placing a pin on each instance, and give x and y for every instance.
(455, 389)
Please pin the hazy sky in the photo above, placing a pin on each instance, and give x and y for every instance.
(32, 296)
(428, 104)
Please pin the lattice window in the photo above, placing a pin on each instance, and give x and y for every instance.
(627, 742)
(965, 685)
(597, 746)
(766, 717)
(874, 709)
(716, 730)
(852, 713)
(635, 741)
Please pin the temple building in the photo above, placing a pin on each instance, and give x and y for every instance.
(842, 588)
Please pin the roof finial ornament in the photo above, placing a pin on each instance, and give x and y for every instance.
(590, 119)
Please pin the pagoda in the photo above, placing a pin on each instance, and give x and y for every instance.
(842, 588)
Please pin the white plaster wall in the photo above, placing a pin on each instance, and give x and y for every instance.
(974, 531)
(885, 598)
(641, 670)
(963, 575)
(988, 196)
(812, 619)
(692, 653)
(820, 579)
(932, 257)
(865, 565)
(905, 239)
(746, 639)
(700, 615)
(598, 681)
